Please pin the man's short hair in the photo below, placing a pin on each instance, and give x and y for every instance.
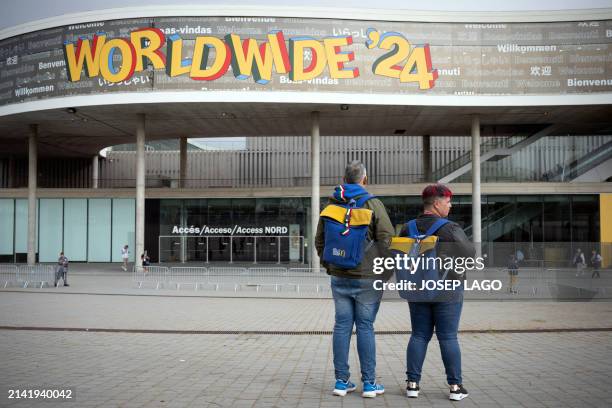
(435, 191)
(355, 172)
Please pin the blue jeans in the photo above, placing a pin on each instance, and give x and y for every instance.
(444, 317)
(356, 304)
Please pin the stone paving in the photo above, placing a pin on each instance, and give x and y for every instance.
(256, 352)
(261, 314)
(181, 370)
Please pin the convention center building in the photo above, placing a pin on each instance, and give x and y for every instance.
(101, 113)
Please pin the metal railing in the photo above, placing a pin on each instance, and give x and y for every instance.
(25, 275)
(490, 143)
(8, 274)
(157, 275)
(530, 283)
(276, 279)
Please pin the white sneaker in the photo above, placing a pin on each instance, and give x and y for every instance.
(412, 389)
(457, 392)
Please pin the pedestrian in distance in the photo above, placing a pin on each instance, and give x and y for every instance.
(125, 256)
(595, 263)
(579, 262)
(61, 270)
(513, 267)
(145, 260)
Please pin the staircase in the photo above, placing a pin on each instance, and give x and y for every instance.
(590, 162)
(491, 150)
(502, 221)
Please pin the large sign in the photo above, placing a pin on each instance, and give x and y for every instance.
(301, 58)
(202, 54)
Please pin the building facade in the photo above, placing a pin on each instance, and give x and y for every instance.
(512, 110)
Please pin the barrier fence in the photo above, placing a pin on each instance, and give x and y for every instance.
(530, 283)
(276, 279)
(8, 274)
(26, 275)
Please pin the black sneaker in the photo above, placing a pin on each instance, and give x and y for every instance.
(412, 389)
(65, 284)
(457, 392)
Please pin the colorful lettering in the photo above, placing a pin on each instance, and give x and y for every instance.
(302, 58)
(176, 65)
(201, 53)
(336, 58)
(151, 52)
(86, 56)
(128, 60)
(297, 48)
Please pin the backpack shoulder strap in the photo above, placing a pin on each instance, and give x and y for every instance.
(361, 200)
(413, 231)
(436, 226)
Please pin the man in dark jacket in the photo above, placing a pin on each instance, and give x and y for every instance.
(443, 314)
(355, 298)
(62, 270)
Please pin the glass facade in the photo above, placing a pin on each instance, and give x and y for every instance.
(7, 218)
(87, 230)
(240, 230)
(123, 227)
(514, 222)
(99, 232)
(51, 234)
(75, 211)
(21, 229)
(276, 230)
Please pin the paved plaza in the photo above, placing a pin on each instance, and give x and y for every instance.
(182, 370)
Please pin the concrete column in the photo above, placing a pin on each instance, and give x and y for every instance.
(32, 179)
(140, 187)
(476, 216)
(427, 176)
(315, 147)
(95, 169)
(183, 163)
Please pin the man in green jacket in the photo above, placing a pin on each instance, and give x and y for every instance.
(356, 301)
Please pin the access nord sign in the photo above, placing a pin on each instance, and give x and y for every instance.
(302, 58)
(236, 229)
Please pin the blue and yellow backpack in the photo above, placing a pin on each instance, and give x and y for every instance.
(346, 232)
(419, 245)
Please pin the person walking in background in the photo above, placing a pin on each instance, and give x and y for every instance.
(513, 266)
(595, 263)
(579, 262)
(125, 255)
(146, 261)
(61, 271)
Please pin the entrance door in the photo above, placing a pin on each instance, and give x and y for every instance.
(219, 249)
(243, 249)
(170, 249)
(267, 249)
(196, 249)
